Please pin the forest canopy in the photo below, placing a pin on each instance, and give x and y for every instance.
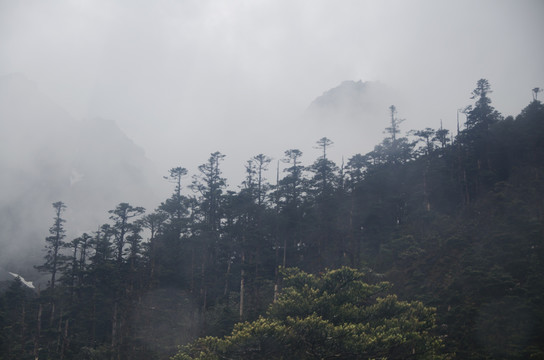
(451, 223)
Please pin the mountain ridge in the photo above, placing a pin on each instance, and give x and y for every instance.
(48, 156)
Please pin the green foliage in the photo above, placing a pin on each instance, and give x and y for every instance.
(453, 224)
(54, 258)
(334, 315)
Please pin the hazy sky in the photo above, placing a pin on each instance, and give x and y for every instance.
(186, 78)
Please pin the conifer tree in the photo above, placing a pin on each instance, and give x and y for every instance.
(121, 216)
(332, 316)
(176, 205)
(210, 184)
(54, 244)
(289, 194)
(324, 169)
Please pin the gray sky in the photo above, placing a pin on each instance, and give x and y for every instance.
(186, 78)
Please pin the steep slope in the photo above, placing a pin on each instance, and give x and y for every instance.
(352, 98)
(47, 156)
(353, 114)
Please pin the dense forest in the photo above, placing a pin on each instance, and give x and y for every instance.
(444, 227)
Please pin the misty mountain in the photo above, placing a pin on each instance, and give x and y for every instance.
(352, 99)
(48, 156)
(353, 113)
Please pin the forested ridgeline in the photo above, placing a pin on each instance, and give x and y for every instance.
(453, 222)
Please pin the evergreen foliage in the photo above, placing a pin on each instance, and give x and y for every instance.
(454, 224)
(334, 315)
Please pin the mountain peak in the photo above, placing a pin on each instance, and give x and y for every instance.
(353, 114)
(351, 94)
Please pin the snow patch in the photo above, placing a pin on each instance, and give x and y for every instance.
(27, 283)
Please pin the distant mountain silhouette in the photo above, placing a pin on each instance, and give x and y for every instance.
(47, 156)
(353, 114)
(353, 99)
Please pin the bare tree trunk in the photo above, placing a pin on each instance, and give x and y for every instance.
(192, 288)
(64, 340)
(284, 251)
(227, 276)
(114, 321)
(276, 270)
(351, 235)
(59, 330)
(52, 313)
(276, 285)
(254, 290)
(425, 193)
(242, 275)
(38, 332)
(467, 194)
(203, 290)
(93, 321)
(23, 319)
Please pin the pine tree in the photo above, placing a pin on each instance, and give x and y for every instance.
(176, 205)
(332, 316)
(210, 185)
(289, 194)
(121, 216)
(54, 244)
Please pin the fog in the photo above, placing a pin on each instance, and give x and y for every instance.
(182, 79)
